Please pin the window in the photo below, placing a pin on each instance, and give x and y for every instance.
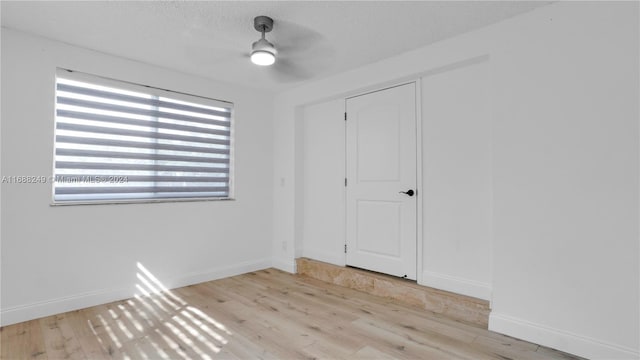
(120, 142)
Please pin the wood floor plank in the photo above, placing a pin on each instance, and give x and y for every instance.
(266, 314)
(458, 347)
(397, 346)
(59, 338)
(23, 339)
(369, 352)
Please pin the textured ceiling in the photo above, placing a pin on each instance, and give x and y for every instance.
(315, 39)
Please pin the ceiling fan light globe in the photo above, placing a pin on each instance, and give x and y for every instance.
(263, 53)
(262, 58)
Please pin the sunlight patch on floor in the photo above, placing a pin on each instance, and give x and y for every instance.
(157, 324)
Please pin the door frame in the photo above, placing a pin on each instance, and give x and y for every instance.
(419, 170)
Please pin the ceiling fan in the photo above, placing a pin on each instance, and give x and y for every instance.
(297, 53)
(263, 53)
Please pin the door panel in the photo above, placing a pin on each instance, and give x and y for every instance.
(378, 144)
(377, 222)
(381, 162)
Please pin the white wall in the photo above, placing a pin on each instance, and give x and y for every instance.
(323, 181)
(60, 258)
(563, 201)
(566, 179)
(457, 180)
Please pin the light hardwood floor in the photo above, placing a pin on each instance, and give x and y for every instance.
(267, 314)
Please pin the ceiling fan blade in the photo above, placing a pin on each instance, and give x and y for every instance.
(287, 71)
(289, 36)
(302, 52)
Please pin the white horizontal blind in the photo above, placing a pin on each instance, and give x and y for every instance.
(119, 142)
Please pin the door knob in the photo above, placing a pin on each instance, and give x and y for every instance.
(408, 192)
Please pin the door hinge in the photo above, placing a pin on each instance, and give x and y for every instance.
(345, 116)
(345, 248)
(345, 182)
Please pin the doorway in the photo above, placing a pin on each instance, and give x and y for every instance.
(381, 170)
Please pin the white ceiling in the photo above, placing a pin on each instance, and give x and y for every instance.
(315, 39)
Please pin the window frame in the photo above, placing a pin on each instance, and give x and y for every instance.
(153, 91)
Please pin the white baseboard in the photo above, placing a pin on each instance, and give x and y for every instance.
(456, 285)
(219, 273)
(325, 256)
(288, 265)
(559, 339)
(20, 313)
(35, 310)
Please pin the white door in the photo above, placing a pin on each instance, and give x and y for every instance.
(381, 181)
